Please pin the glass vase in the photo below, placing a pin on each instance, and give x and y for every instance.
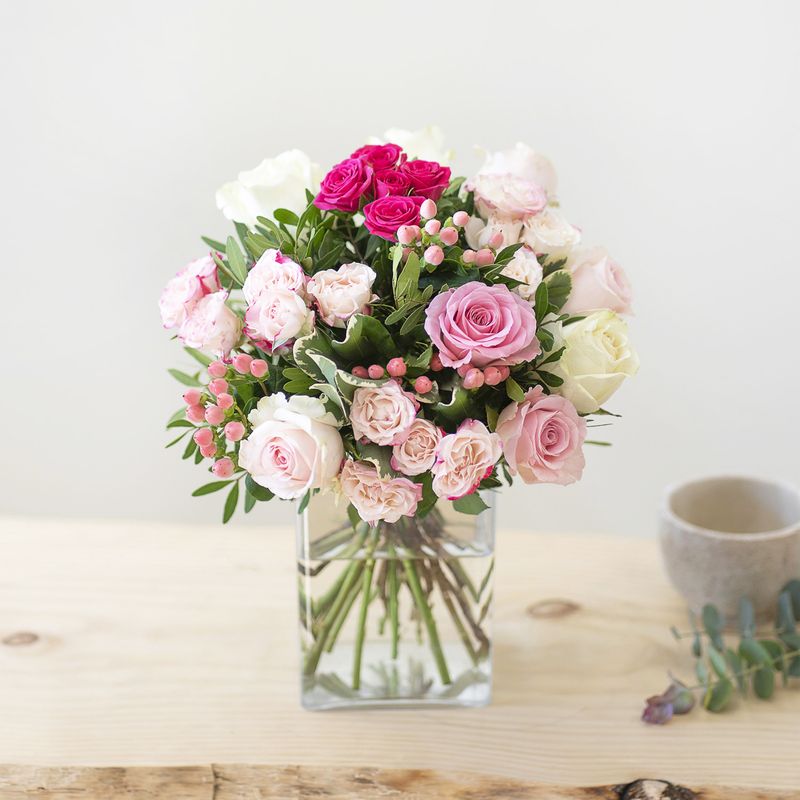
(395, 614)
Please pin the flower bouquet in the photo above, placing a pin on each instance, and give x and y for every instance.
(386, 347)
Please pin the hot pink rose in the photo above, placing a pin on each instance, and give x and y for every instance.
(379, 156)
(418, 452)
(383, 414)
(597, 282)
(194, 281)
(428, 178)
(391, 181)
(482, 325)
(464, 459)
(344, 185)
(385, 215)
(378, 498)
(211, 325)
(542, 438)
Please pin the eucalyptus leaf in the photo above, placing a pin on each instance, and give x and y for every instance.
(718, 663)
(747, 617)
(764, 683)
(718, 695)
(713, 623)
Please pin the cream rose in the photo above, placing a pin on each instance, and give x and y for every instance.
(464, 459)
(597, 359)
(418, 452)
(524, 267)
(478, 232)
(271, 270)
(507, 197)
(278, 315)
(597, 282)
(383, 414)
(524, 162)
(550, 234)
(294, 445)
(279, 182)
(340, 293)
(376, 498)
(211, 325)
(195, 280)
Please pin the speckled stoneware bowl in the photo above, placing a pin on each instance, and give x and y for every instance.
(725, 538)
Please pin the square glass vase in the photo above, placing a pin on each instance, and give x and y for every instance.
(395, 614)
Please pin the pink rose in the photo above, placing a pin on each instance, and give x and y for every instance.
(464, 459)
(211, 325)
(294, 445)
(391, 181)
(418, 452)
(376, 498)
(277, 315)
(597, 282)
(379, 156)
(482, 325)
(383, 414)
(344, 185)
(341, 293)
(427, 178)
(196, 279)
(542, 438)
(385, 215)
(507, 197)
(271, 270)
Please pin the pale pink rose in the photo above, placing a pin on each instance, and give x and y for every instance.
(418, 452)
(211, 325)
(294, 445)
(383, 414)
(340, 293)
(597, 282)
(464, 459)
(477, 232)
(482, 325)
(508, 196)
(197, 279)
(524, 162)
(277, 316)
(271, 270)
(376, 498)
(524, 267)
(551, 235)
(543, 438)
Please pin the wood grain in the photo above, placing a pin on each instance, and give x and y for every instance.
(134, 644)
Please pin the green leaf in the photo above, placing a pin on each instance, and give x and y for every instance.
(411, 322)
(210, 487)
(256, 244)
(379, 456)
(315, 343)
(718, 696)
(507, 253)
(747, 617)
(214, 244)
(199, 356)
(347, 383)
(549, 378)
(198, 456)
(701, 670)
(737, 666)
(775, 652)
(492, 415)
(285, 216)
(764, 683)
(754, 653)
(255, 490)
(191, 447)
(249, 502)
(713, 624)
(230, 502)
(236, 260)
(793, 587)
(514, 391)
(175, 441)
(460, 406)
(182, 377)
(429, 498)
(470, 504)
(559, 285)
(365, 338)
(786, 620)
(406, 284)
(304, 502)
(718, 663)
(541, 302)
(180, 423)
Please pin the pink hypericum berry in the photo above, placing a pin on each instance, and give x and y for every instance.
(203, 437)
(504, 373)
(195, 413)
(434, 255)
(432, 227)
(428, 209)
(396, 367)
(496, 240)
(192, 397)
(208, 450)
(223, 468)
(492, 376)
(214, 415)
(423, 384)
(375, 371)
(406, 234)
(234, 431)
(464, 369)
(218, 386)
(484, 257)
(468, 256)
(224, 400)
(436, 363)
(460, 219)
(473, 379)
(449, 236)
(241, 363)
(258, 368)
(216, 369)
(359, 372)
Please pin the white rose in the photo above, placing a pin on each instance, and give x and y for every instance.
(294, 446)
(550, 234)
(508, 197)
(182, 292)
(278, 315)
(418, 452)
(597, 359)
(211, 325)
(279, 182)
(342, 292)
(478, 232)
(525, 163)
(271, 270)
(426, 143)
(597, 282)
(524, 267)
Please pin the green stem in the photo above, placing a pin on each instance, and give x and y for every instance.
(355, 589)
(394, 616)
(462, 631)
(362, 623)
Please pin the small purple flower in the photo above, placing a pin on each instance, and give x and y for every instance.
(659, 708)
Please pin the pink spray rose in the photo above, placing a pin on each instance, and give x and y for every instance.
(543, 438)
(211, 325)
(277, 315)
(597, 282)
(427, 178)
(196, 279)
(391, 181)
(385, 215)
(418, 452)
(344, 185)
(383, 414)
(380, 156)
(482, 325)
(340, 293)
(376, 498)
(464, 459)
(271, 270)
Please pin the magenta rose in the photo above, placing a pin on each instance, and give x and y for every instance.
(391, 181)
(344, 185)
(379, 156)
(427, 178)
(385, 215)
(543, 438)
(482, 325)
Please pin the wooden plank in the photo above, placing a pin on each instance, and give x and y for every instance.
(124, 644)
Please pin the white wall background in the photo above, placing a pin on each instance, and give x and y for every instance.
(674, 126)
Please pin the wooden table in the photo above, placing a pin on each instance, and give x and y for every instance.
(128, 644)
